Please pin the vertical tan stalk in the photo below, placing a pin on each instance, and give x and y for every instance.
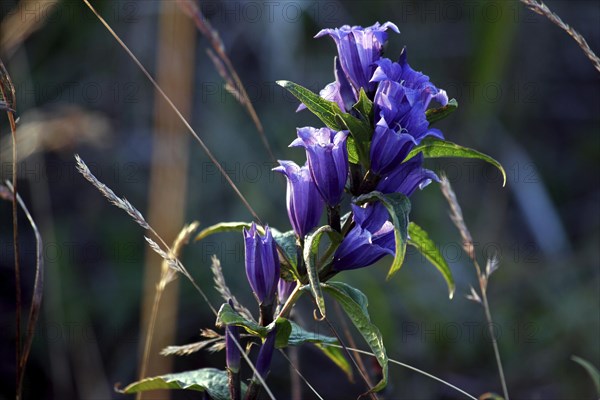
(168, 179)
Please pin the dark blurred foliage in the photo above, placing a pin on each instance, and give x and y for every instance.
(528, 96)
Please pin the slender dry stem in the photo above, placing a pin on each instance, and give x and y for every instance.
(540, 8)
(7, 92)
(420, 371)
(209, 153)
(224, 67)
(167, 275)
(483, 276)
(38, 290)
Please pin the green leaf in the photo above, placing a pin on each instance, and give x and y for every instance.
(591, 370)
(337, 355)
(284, 330)
(437, 114)
(364, 106)
(361, 131)
(288, 256)
(398, 207)
(211, 380)
(354, 303)
(223, 227)
(420, 239)
(299, 336)
(352, 151)
(435, 148)
(324, 109)
(228, 316)
(311, 252)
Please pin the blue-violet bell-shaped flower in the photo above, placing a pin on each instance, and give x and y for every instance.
(262, 264)
(402, 73)
(368, 241)
(304, 203)
(327, 160)
(407, 177)
(389, 147)
(358, 49)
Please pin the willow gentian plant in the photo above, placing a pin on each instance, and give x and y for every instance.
(361, 168)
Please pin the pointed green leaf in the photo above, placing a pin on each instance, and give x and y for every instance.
(591, 370)
(420, 239)
(228, 316)
(222, 227)
(324, 109)
(311, 252)
(288, 255)
(364, 106)
(436, 114)
(354, 303)
(211, 380)
(338, 357)
(352, 150)
(398, 207)
(435, 148)
(361, 132)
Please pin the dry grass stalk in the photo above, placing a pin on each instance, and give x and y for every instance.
(483, 276)
(224, 291)
(223, 65)
(7, 193)
(540, 8)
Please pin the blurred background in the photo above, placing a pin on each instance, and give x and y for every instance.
(527, 96)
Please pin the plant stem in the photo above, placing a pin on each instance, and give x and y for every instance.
(333, 218)
(488, 316)
(235, 391)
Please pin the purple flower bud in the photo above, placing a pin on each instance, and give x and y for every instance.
(232, 352)
(262, 264)
(407, 177)
(284, 290)
(368, 241)
(304, 204)
(358, 49)
(327, 159)
(263, 362)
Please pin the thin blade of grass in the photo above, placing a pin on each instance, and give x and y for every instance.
(176, 111)
(38, 290)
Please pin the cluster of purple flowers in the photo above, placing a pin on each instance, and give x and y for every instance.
(400, 97)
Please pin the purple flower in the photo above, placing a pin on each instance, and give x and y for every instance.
(404, 109)
(368, 241)
(358, 49)
(262, 264)
(389, 147)
(339, 91)
(402, 73)
(232, 352)
(327, 159)
(284, 290)
(407, 177)
(265, 354)
(304, 204)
